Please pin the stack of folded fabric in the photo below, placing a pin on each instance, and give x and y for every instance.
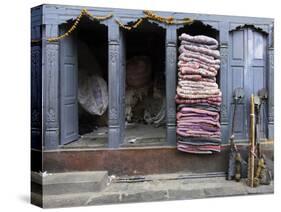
(198, 96)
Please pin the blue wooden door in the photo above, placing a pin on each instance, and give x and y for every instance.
(247, 69)
(68, 89)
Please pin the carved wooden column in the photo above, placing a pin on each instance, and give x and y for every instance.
(36, 90)
(114, 86)
(171, 71)
(50, 87)
(223, 38)
(36, 79)
(270, 84)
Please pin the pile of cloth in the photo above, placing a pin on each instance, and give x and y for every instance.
(198, 95)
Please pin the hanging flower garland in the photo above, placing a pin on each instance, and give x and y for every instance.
(148, 15)
(167, 20)
(127, 27)
(84, 12)
(152, 16)
(35, 41)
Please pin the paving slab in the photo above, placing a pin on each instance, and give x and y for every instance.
(70, 182)
(157, 190)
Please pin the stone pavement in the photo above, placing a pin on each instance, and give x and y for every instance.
(155, 188)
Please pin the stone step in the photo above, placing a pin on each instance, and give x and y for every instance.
(70, 182)
(159, 189)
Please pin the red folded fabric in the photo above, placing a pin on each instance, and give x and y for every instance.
(204, 149)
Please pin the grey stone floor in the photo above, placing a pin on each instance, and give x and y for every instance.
(135, 135)
(157, 188)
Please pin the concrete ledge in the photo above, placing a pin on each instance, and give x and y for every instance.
(141, 161)
(70, 182)
(157, 190)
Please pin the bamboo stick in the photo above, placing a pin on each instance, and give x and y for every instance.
(251, 160)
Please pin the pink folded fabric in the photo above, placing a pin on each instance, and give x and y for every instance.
(192, 59)
(201, 71)
(199, 83)
(198, 67)
(188, 54)
(182, 49)
(202, 39)
(214, 47)
(202, 50)
(205, 149)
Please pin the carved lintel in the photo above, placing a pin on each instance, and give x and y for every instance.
(259, 27)
(213, 24)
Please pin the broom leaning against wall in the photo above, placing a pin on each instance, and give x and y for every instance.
(262, 174)
(237, 167)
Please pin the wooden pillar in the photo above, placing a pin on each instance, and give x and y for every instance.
(225, 110)
(50, 87)
(36, 79)
(270, 84)
(114, 86)
(171, 70)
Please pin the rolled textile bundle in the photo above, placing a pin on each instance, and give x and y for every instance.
(196, 64)
(198, 95)
(200, 149)
(200, 83)
(204, 106)
(213, 47)
(196, 101)
(200, 39)
(202, 50)
(183, 50)
(201, 71)
(202, 63)
(203, 58)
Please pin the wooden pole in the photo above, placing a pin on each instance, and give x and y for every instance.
(251, 160)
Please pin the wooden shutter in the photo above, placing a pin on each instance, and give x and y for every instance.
(247, 70)
(68, 89)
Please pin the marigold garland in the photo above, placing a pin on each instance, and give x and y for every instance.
(84, 12)
(98, 18)
(148, 15)
(36, 41)
(127, 27)
(168, 20)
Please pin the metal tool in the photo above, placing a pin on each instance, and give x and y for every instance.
(235, 163)
(262, 173)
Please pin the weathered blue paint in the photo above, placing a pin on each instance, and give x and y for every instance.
(171, 76)
(50, 17)
(114, 86)
(68, 78)
(247, 69)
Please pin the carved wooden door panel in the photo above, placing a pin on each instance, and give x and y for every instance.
(247, 69)
(68, 90)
